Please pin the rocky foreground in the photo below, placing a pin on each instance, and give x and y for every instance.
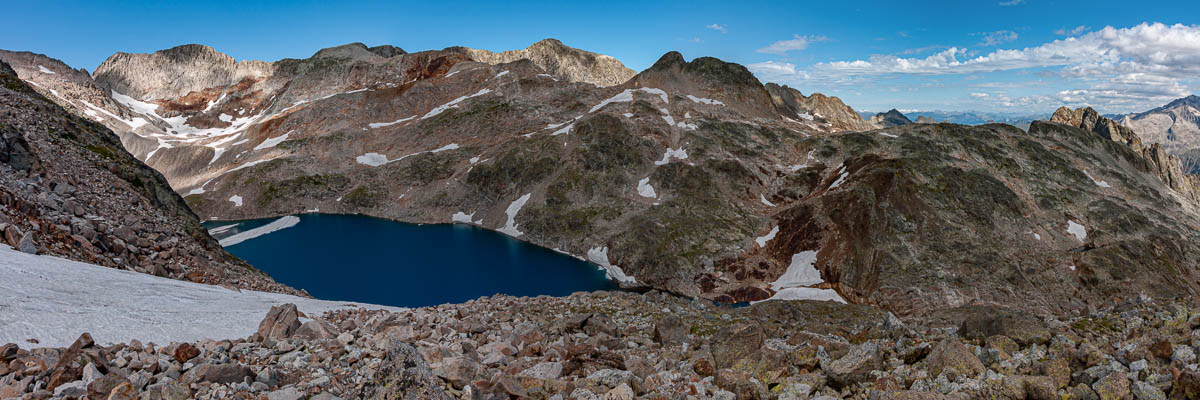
(620, 345)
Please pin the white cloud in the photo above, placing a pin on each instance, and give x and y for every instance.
(979, 95)
(694, 40)
(997, 38)
(717, 27)
(1073, 31)
(796, 43)
(1129, 68)
(1011, 2)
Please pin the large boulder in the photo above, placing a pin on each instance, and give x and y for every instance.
(281, 322)
(984, 322)
(855, 366)
(953, 358)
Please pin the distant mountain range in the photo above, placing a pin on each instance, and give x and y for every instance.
(1175, 125)
(967, 117)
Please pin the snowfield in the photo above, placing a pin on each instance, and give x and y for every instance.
(54, 300)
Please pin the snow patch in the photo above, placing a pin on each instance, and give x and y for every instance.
(375, 125)
(464, 218)
(705, 101)
(454, 103)
(1102, 184)
(599, 256)
(645, 190)
(372, 159)
(764, 200)
(45, 70)
(841, 177)
(510, 227)
(236, 200)
(800, 272)
(221, 229)
(565, 129)
(225, 117)
(679, 154)
(762, 240)
(269, 143)
(805, 293)
(275, 226)
(503, 73)
(888, 135)
(1077, 230)
(627, 96)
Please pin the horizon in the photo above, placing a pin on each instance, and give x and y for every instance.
(875, 56)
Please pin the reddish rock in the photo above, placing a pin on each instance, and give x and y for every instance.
(186, 352)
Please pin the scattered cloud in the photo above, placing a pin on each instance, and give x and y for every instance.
(997, 38)
(695, 40)
(796, 43)
(1011, 2)
(717, 27)
(1111, 68)
(1073, 31)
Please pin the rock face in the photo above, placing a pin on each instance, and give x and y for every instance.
(691, 177)
(69, 189)
(1176, 126)
(834, 115)
(559, 60)
(1166, 166)
(890, 118)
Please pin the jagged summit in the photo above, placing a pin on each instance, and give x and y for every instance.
(358, 50)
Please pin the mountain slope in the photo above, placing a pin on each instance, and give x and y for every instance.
(68, 188)
(691, 176)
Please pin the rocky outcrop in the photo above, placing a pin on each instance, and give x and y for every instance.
(1158, 160)
(890, 118)
(829, 112)
(925, 120)
(560, 60)
(68, 188)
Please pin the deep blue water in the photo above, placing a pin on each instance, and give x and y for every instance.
(364, 259)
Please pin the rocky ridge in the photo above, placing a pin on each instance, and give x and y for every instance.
(559, 60)
(68, 188)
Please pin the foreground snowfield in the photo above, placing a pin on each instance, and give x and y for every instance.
(53, 300)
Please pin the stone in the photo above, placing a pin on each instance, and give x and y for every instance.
(952, 357)
(1115, 386)
(185, 352)
(27, 245)
(1183, 354)
(855, 366)
(71, 389)
(458, 371)
(1186, 385)
(315, 330)
(985, 321)
(546, 370)
(735, 343)
(621, 392)
(280, 323)
(1145, 391)
(670, 331)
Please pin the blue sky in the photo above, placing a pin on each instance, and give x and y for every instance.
(1013, 56)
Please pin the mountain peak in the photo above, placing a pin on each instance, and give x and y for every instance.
(558, 59)
(710, 69)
